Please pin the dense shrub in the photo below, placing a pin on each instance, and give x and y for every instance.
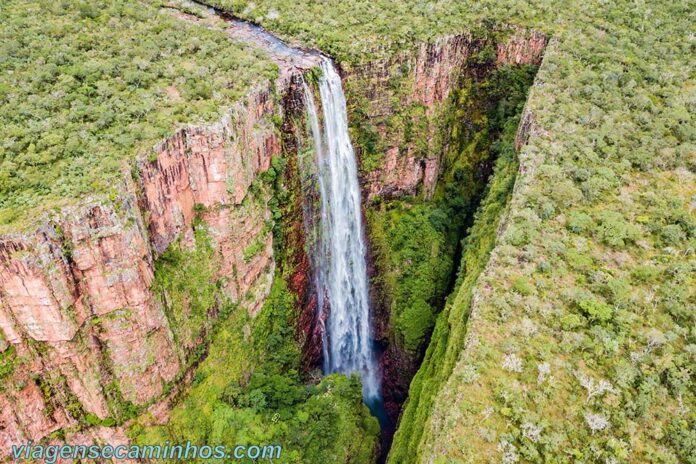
(85, 86)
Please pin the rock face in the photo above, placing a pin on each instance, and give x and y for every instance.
(78, 316)
(427, 75)
(207, 172)
(81, 330)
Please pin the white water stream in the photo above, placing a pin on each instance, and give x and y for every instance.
(341, 271)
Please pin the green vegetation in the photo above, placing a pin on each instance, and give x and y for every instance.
(255, 248)
(54, 390)
(185, 282)
(415, 238)
(450, 328)
(8, 362)
(86, 85)
(416, 255)
(248, 391)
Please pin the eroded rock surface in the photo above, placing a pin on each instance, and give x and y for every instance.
(78, 316)
(432, 73)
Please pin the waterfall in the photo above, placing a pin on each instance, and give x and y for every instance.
(340, 267)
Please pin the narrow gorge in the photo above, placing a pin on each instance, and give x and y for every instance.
(308, 229)
(347, 231)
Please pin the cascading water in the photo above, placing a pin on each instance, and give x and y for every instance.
(340, 267)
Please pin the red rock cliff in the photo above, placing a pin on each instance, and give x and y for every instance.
(78, 319)
(427, 76)
(77, 313)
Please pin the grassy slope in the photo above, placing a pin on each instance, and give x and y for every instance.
(581, 345)
(584, 317)
(87, 84)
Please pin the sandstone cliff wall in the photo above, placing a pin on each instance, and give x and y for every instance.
(418, 84)
(80, 324)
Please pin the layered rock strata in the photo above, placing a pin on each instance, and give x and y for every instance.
(427, 77)
(81, 327)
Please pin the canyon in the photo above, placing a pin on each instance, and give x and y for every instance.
(80, 318)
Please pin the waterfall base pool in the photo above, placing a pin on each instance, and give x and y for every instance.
(386, 424)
